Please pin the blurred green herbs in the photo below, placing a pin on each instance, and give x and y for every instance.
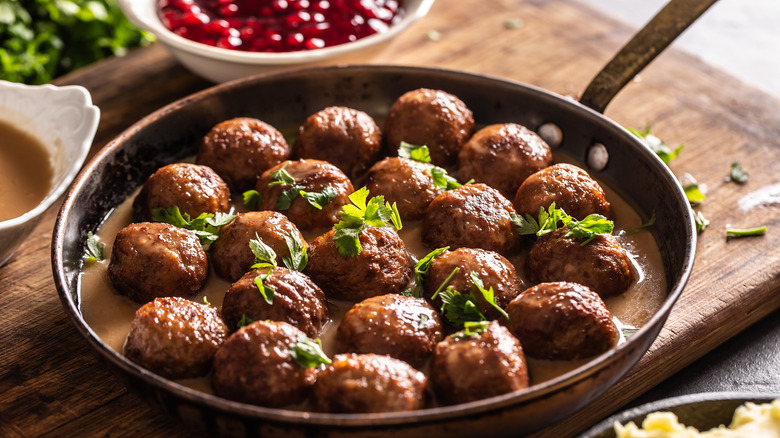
(43, 39)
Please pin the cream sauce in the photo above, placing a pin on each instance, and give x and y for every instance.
(25, 172)
(110, 314)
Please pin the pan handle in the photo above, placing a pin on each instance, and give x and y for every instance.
(648, 43)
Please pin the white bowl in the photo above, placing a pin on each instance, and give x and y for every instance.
(64, 120)
(222, 65)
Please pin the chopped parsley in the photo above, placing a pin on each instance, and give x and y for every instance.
(266, 291)
(298, 258)
(732, 233)
(315, 199)
(357, 216)
(547, 222)
(94, 251)
(252, 199)
(421, 271)
(265, 256)
(206, 226)
(308, 353)
(460, 308)
(417, 153)
(694, 194)
(655, 144)
(701, 222)
(489, 295)
(737, 174)
(471, 328)
(244, 321)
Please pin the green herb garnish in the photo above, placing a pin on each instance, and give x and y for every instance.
(629, 331)
(650, 222)
(737, 174)
(547, 221)
(460, 308)
(244, 321)
(664, 152)
(732, 233)
(701, 222)
(488, 294)
(443, 180)
(414, 152)
(265, 256)
(357, 216)
(444, 283)
(252, 199)
(471, 328)
(315, 199)
(694, 194)
(94, 251)
(308, 353)
(206, 226)
(206, 300)
(266, 291)
(298, 258)
(421, 271)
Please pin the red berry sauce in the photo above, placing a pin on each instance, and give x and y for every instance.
(277, 25)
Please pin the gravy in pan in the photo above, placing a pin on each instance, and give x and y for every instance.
(25, 172)
(110, 314)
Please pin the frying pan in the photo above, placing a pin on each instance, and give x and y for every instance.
(614, 156)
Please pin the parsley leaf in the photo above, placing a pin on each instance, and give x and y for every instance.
(321, 199)
(244, 321)
(444, 283)
(549, 219)
(252, 199)
(737, 174)
(315, 199)
(414, 152)
(265, 256)
(206, 226)
(460, 308)
(488, 294)
(361, 213)
(281, 176)
(94, 251)
(266, 291)
(421, 271)
(443, 180)
(664, 152)
(471, 328)
(298, 258)
(308, 353)
(588, 228)
(694, 194)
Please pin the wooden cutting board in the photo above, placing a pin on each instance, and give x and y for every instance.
(52, 384)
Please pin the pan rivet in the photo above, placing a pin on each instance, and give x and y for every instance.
(552, 134)
(598, 156)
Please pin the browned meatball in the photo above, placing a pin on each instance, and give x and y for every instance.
(151, 260)
(296, 300)
(345, 137)
(311, 176)
(175, 337)
(568, 186)
(405, 328)
(563, 321)
(503, 156)
(363, 383)
(255, 365)
(469, 368)
(472, 216)
(602, 264)
(408, 183)
(231, 255)
(384, 266)
(241, 149)
(433, 118)
(193, 188)
(494, 270)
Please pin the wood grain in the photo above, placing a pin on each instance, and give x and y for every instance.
(51, 384)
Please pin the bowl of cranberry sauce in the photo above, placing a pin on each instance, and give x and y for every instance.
(222, 40)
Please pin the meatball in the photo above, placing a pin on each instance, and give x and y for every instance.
(312, 176)
(472, 367)
(256, 365)
(231, 255)
(408, 183)
(601, 265)
(405, 328)
(364, 383)
(151, 259)
(193, 188)
(503, 156)
(473, 216)
(433, 118)
(175, 337)
(494, 270)
(564, 321)
(241, 149)
(296, 300)
(569, 187)
(384, 266)
(345, 137)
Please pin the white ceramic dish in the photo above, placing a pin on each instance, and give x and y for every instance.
(65, 121)
(222, 65)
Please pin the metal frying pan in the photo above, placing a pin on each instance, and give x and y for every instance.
(174, 132)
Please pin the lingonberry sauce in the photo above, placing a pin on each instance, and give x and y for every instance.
(277, 25)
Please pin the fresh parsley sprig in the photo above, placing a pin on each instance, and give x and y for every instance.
(441, 178)
(298, 258)
(315, 199)
(252, 199)
(357, 216)
(93, 253)
(265, 257)
(548, 221)
(206, 226)
(664, 152)
(488, 293)
(471, 328)
(244, 321)
(308, 353)
(460, 308)
(421, 271)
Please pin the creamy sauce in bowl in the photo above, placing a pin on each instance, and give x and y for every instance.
(25, 172)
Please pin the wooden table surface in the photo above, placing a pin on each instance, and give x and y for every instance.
(52, 384)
